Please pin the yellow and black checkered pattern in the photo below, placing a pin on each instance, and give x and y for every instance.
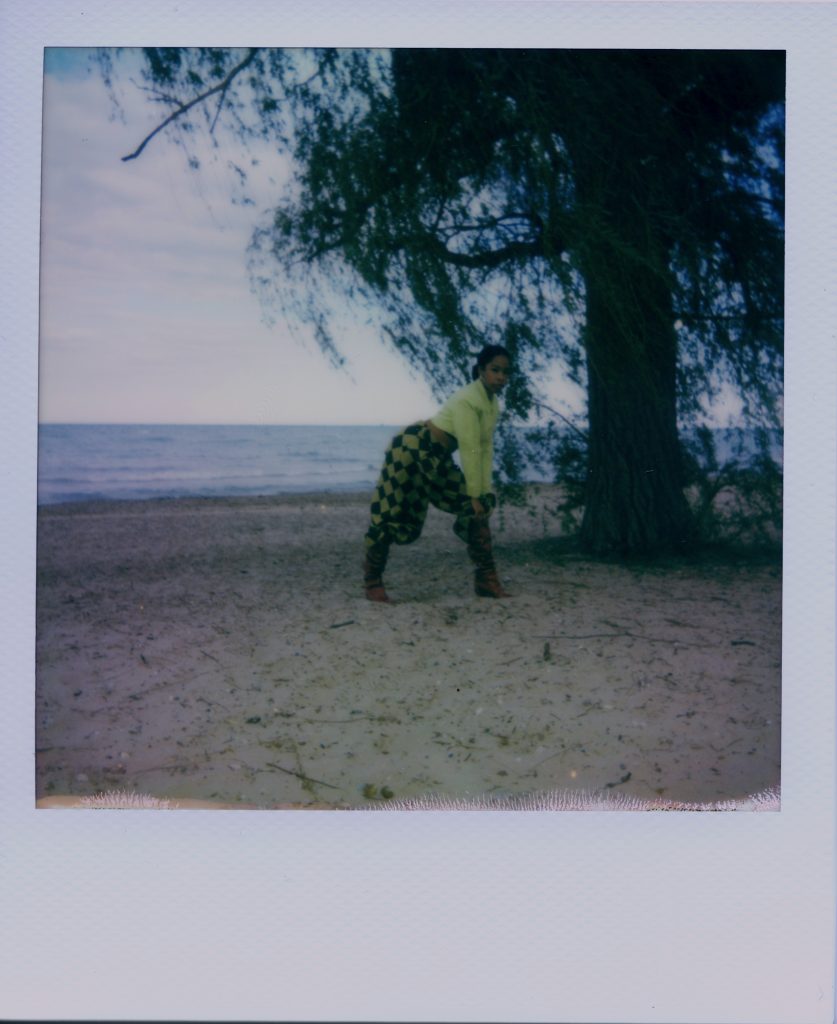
(417, 472)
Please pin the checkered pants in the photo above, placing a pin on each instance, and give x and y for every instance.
(418, 472)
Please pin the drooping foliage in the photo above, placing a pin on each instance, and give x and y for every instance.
(619, 212)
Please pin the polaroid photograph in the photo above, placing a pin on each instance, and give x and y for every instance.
(420, 512)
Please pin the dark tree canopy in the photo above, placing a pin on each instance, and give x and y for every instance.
(620, 211)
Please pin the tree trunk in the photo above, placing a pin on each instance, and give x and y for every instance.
(634, 490)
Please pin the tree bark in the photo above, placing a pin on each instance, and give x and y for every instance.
(634, 490)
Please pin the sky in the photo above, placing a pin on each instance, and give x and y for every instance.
(146, 313)
(146, 310)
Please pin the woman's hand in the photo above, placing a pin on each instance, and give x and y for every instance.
(478, 508)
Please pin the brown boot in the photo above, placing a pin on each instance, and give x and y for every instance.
(486, 581)
(373, 570)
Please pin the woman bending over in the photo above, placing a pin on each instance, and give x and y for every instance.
(419, 470)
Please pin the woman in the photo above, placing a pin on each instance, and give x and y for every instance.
(418, 470)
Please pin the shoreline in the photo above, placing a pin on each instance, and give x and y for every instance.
(221, 649)
(292, 497)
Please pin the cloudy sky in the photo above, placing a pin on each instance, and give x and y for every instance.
(146, 309)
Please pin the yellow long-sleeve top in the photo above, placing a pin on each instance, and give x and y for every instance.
(470, 415)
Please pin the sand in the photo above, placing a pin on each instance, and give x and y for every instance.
(221, 650)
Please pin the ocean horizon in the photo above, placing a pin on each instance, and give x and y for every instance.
(86, 462)
(113, 462)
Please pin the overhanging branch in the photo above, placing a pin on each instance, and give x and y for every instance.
(560, 415)
(486, 259)
(221, 87)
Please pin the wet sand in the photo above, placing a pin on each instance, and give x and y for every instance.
(222, 650)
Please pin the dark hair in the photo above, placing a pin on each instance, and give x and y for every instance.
(484, 358)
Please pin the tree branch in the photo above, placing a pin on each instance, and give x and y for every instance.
(221, 87)
(487, 259)
(570, 424)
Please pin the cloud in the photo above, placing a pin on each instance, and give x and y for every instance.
(146, 309)
(147, 312)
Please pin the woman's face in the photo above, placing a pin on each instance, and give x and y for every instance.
(495, 375)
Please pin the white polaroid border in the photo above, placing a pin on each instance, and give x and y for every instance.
(446, 915)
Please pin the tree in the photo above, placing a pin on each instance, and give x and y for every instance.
(618, 210)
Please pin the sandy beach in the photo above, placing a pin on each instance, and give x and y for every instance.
(222, 650)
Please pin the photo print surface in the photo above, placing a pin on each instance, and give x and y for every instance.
(267, 278)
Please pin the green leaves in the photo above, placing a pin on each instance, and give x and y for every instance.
(470, 196)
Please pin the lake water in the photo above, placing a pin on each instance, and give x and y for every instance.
(84, 462)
